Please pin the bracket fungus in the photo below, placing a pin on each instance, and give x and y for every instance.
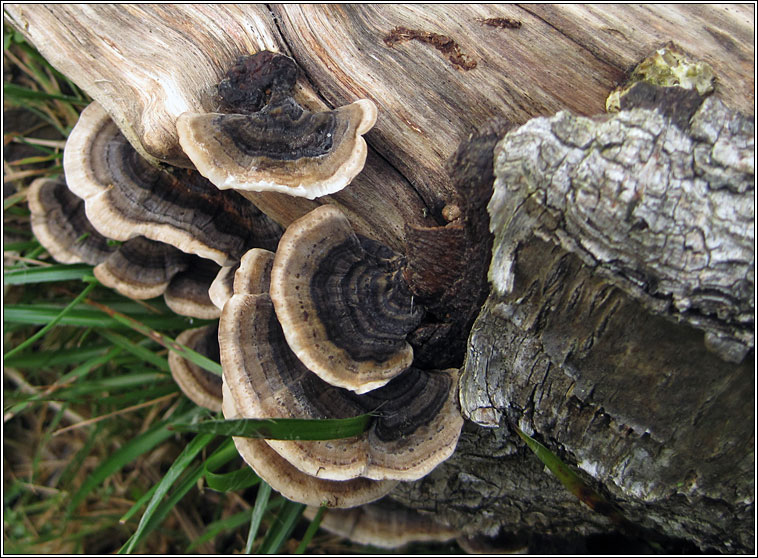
(199, 385)
(126, 196)
(222, 287)
(417, 420)
(188, 292)
(251, 281)
(342, 302)
(385, 524)
(293, 483)
(141, 268)
(266, 141)
(61, 226)
(138, 268)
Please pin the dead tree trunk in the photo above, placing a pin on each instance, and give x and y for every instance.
(619, 328)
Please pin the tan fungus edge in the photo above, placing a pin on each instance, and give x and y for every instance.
(185, 373)
(109, 222)
(218, 167)
(296, 485)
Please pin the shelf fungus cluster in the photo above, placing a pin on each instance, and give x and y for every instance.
(317, 330)
(148, 231)
(314, 319)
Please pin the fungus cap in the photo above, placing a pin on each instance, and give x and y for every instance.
(188, 292)
(126, 196)
(270, 142)
(384, 524)
(141, 268)
(199, 385)
(417, 424)
(295, 485)
(342, 302)
(60, 224)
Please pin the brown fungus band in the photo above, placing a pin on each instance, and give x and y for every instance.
(267, 141)
(141, 268)
(200, 385)
(126, 196)
(188, 293)
(138, 268)
(416, 424)
(342, 302)
(60, 224)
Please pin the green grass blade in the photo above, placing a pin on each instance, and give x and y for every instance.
(222, 455)
(216, 527)
(40, 314)
(570, 479)
(140, 396)
(125, 454)
(282, 527)
(16, 94)
(261, 502)
(232, 482)
(165, 340)
(81, 370)
(177, 468)
(133, 381)
(47, 274)
(282, 429)
(60, 357)
(312, 528)
(88, 366)
(20, 246)
(52, 323)
(143, 353)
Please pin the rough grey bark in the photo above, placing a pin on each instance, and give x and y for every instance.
(618, 243)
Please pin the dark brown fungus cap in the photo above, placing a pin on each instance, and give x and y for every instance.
(269, 142)
(61, 225)
(417, 420)
(201, 386)
(251, 281)
(141, 268)
(296, 485)
(126, 196)
(187, 293)
(384, 524)
(342, 302)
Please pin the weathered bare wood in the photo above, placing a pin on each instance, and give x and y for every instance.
(428, 104)
(720, 34)
(146, 64)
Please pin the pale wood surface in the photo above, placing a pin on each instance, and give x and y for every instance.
(146, 64)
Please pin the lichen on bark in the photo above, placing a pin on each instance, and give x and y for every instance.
(665, 214)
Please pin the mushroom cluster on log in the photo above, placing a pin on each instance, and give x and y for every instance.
(618, 363)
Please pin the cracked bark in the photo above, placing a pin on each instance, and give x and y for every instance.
(598, 336)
